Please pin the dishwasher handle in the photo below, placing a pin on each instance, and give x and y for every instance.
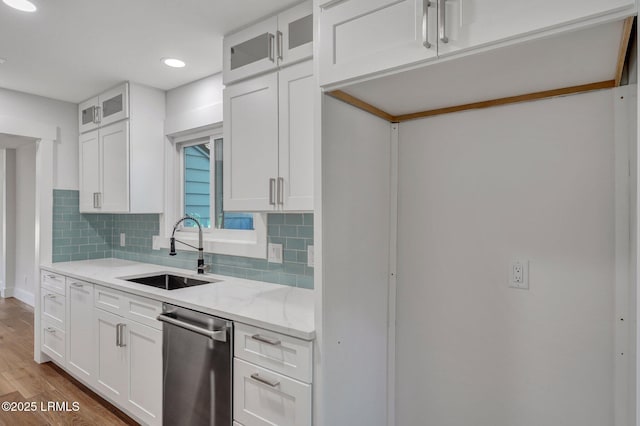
(218, 335)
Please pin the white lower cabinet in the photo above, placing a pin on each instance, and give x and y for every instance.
(111, 374)
(53, 342)
(144, 368)
(264, 397)
(130, 365)
(265, 391)
(108, 339)
(81, 347)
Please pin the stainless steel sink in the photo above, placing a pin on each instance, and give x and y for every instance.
(169, 281)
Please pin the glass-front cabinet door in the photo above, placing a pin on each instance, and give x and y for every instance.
(295, 34)
(104, 109)
(250, 51)
(114, 105)
(88, 115)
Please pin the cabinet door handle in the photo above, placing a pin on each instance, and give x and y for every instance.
(271, 47)
(280, 45)
(120, 335)
(267, 340)
(96, 115)
(95, 200)
(99, 200)
(272, 185)
(280, 190)
(272, 383)
(426, 4)
(442, 35)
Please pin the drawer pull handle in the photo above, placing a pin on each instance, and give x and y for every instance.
(267, 340)
(51, 330)
(53, 277)
(77, 285)
(50, 296)
(272, 383)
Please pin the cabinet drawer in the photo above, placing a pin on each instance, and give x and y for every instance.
(284, 354)
(262, 397)
(143, 310)
(53, 281)
(52, 308)
(53, 342)
(109, 300)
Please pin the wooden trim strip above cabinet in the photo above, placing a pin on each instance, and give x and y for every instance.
(509, 100)
(624, 47)
(352, 100)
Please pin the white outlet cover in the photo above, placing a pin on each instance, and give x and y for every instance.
(514, 282)
(155, 241)
(274, 253)
(123, 239)
(310, 256)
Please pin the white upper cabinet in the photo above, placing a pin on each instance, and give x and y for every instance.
(268, 141)
(250, 152)
(104, 166)
(295, 165)
(295, 34)
(359, 38)
(251, 51)
(104, 109)
(274, 42)
(464, 24)
(121, 162)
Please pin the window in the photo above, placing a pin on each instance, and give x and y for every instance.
(195, 187)
(202, 187)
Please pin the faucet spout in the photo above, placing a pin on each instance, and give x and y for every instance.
(172, 249)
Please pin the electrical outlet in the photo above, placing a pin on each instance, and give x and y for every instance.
(155, 242)
(123, 239)
(274, 253)
(310, 256)
(519, 274)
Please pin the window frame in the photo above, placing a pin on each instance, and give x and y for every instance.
(237, 242)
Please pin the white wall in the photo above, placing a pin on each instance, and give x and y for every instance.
(194, 105)
(25, 223)
(477, 189)
(7, 220)
(356, 167)
(64, 115)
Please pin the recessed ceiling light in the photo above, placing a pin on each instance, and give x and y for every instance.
(23, 5)
(173, 62)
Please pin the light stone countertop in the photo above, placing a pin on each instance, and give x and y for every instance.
(280, 308)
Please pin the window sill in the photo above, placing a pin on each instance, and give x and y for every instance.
(251, 244)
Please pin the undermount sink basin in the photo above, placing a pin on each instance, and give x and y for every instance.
(170, 281)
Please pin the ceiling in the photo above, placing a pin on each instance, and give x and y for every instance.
(74, 49)
(569, 59)
(13, 141)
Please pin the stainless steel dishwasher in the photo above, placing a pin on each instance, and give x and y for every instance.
(197, 363)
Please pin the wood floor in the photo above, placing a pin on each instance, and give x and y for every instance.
(23, 380)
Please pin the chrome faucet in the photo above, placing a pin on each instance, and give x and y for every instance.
(172, 250)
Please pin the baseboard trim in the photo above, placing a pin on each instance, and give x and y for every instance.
(24, 296)
(7, 292)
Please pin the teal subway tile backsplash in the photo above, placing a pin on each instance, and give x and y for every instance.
(79, 236)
